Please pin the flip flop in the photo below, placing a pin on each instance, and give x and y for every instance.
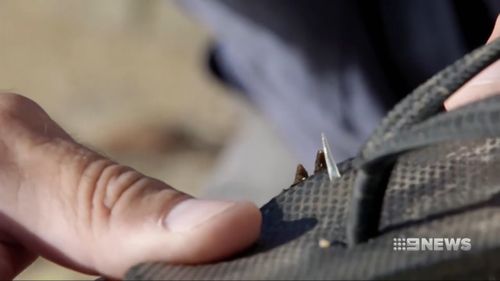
(420, 201)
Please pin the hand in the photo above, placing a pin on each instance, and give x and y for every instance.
(485, 84)
(73, 206)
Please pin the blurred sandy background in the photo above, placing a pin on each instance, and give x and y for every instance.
(124, 77)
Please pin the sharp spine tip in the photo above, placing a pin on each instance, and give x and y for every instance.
(300, 175)
(331, 166)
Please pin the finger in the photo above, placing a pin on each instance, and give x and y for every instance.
(87, 212)
(485, 84)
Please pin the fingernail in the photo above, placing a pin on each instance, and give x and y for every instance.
(191, 213)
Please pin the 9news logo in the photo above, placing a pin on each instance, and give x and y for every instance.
(431, 244)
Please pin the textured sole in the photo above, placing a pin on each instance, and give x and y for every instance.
(450, 190)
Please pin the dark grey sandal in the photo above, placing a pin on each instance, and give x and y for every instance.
(419, 202)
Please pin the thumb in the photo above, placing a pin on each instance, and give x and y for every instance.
(485, 84)
(65, 202)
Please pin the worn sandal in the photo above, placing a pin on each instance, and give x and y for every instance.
(419, 202)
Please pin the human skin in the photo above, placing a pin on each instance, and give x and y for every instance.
(73, 206)
(485, 84)
(63, 201)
